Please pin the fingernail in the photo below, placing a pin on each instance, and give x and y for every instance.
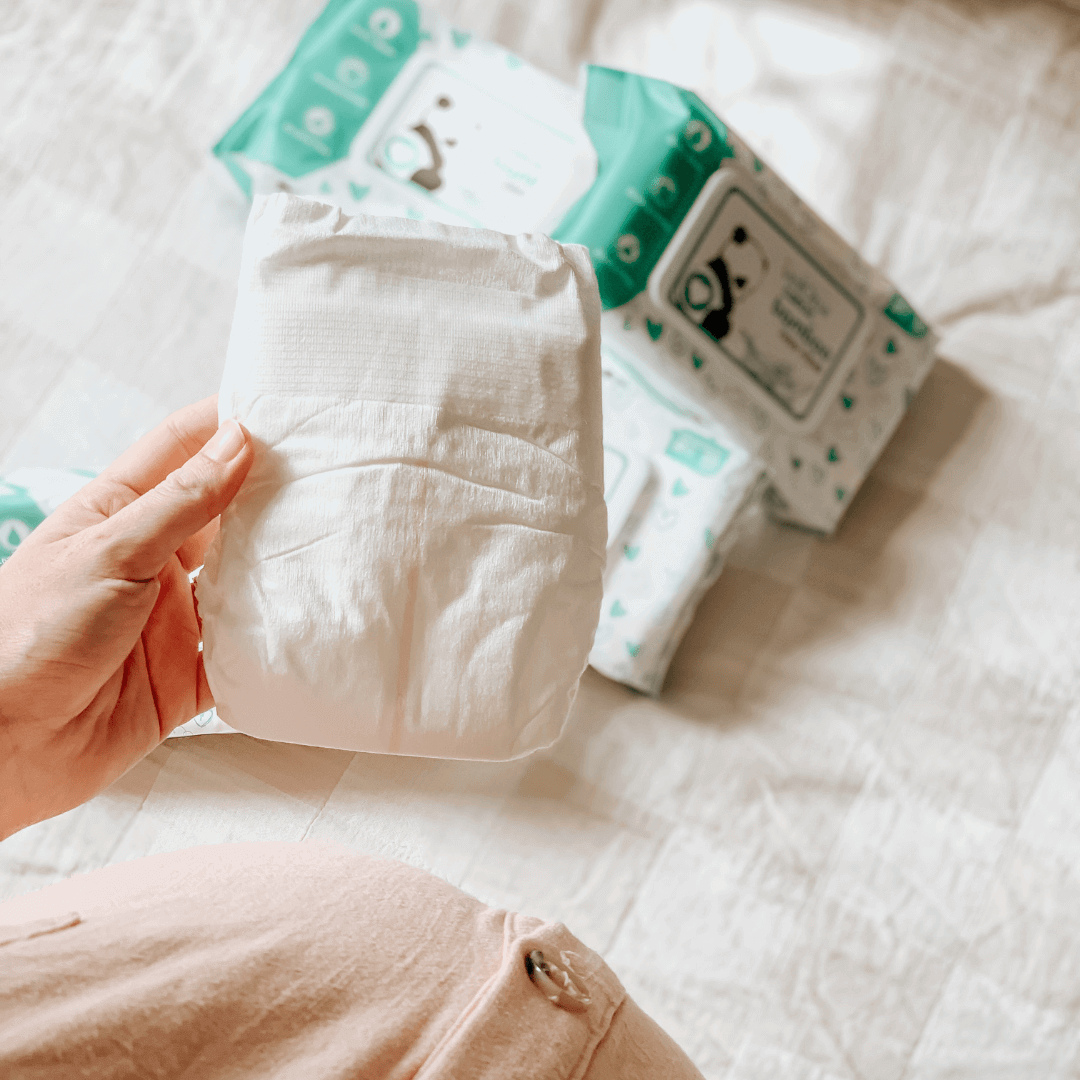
(226, 442)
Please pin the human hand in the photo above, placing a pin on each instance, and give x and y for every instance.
(99, 636)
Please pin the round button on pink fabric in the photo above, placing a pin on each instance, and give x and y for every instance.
(557, 981)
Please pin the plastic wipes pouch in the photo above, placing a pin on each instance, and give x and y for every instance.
(717, 274)
(28, 497)
(683, 479)
(387, 109)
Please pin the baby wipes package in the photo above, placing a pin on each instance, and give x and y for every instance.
(386, 108)
(720, 287)
(28, 497)
(715, 273)
(675, 483)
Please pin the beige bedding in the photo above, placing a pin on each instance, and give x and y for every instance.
(845, 843)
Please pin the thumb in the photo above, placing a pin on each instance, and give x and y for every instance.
(145, 534)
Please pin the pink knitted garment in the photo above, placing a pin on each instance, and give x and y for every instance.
(301, 960)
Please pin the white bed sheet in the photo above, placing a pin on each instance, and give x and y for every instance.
(846, 841)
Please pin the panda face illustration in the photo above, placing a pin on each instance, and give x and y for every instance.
(419, 152)
(734, 273)
(746, 263)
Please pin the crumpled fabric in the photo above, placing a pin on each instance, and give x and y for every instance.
(304, 960)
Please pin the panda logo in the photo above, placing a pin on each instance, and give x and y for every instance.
(731, 276)
(418, 152)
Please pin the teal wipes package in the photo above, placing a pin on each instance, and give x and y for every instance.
(385, 108)
(719, 285)
(28, 497)
(676, 483)
(717, 276)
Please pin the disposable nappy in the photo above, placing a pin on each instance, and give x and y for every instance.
(676, 482)
(414, 563)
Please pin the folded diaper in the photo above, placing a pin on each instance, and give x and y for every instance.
(414, 563)
(686, 479)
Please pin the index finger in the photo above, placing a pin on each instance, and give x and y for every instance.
(138, 469)
(161, 451)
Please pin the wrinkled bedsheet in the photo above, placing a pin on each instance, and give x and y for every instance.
(845, 842)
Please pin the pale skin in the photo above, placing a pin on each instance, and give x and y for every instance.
(99, 632)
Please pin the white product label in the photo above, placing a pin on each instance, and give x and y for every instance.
(753, 292)
(476, 156)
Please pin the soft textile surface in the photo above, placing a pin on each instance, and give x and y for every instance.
(846, 841)
(283, 960)
(413, 564)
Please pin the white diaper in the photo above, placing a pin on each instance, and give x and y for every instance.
(414, 563)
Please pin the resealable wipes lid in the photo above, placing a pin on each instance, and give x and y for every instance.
(414, 563)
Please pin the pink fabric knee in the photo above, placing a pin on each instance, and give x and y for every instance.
(305, 960)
